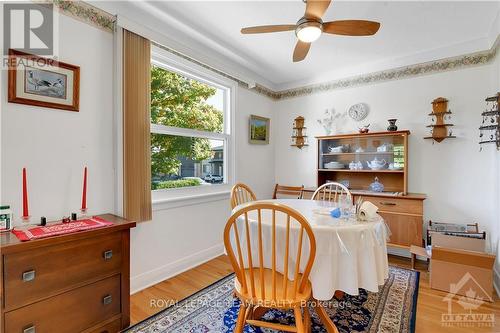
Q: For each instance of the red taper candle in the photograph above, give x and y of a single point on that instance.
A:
(25, 195)
(84, 194)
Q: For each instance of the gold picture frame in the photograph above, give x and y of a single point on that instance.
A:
(259, 130)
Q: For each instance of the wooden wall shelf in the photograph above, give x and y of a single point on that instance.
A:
(439, 130)
(299, 137)
(440, 125)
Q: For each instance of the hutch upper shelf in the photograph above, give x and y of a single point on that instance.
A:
(356, 159)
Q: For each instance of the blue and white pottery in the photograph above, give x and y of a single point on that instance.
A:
(376, 186)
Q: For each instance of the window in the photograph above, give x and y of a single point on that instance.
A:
(191, 137)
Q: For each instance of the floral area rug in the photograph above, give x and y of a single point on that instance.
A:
(214, 309)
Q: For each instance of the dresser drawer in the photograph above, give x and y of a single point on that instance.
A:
(405, 230)
(394, 205)
(71, 312)
(35, 274)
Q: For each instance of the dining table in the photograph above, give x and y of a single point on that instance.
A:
(350, 254)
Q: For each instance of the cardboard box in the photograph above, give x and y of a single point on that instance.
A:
(457, 242)
(462, 272)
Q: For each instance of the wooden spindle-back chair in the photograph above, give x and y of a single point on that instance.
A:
(294, 192)
(331, 192)
(241, 193)
(259, 287)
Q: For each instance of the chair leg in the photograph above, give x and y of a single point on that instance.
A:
(240, 323)
(307, 320)
(298, 320)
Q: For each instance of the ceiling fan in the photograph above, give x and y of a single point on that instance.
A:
(310, 27)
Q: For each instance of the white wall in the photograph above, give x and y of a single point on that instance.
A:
(496, 230)
(456, 177)
(55, 145)
(182, 237)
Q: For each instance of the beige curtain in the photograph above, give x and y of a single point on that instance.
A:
(136, 127)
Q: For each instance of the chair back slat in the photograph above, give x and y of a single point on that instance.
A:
(249, 256)
(242, 278)
(261, 258)
(289, 191)
(331, 192)
(292, 226)
(296, 278)
(285, 259)
(273, 259)
(240, 194)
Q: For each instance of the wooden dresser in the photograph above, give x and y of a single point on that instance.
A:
(73, 283)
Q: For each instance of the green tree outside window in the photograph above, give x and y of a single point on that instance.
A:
(180, 102)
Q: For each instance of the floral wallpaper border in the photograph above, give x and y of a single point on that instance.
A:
(103, 20)
(432, 67)
(87, 13)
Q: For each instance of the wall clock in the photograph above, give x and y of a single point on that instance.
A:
(358, 111)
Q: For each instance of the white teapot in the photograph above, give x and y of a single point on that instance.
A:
(385, 148)
(376, 164)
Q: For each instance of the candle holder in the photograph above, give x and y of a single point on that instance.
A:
(23, 223)
(83, 212)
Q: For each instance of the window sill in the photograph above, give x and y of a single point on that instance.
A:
(169, 202)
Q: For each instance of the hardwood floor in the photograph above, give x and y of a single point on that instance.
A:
(430, 305)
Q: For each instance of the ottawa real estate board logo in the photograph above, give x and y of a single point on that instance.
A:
(30, 28)
(470, 295)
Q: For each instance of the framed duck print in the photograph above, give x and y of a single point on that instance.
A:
(44, 82)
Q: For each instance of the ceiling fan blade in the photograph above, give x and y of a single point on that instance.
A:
(316, 8)
(301, 50)
(351, 27)
(268, 28)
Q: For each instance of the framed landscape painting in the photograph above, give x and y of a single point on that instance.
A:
(45, 82)
(259, 130)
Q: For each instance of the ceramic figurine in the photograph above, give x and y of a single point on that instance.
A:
(345, 182)
(392, 125)
(376, 186)
(330, 116)
(364, 129)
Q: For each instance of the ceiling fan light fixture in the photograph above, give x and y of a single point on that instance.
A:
(308, 32)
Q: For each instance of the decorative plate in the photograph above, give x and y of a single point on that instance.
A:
(358, 111)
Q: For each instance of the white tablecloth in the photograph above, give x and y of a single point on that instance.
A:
(349, 254)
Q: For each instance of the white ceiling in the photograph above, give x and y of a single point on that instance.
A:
(410, 32)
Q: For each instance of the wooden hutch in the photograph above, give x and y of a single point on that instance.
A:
(344, 158)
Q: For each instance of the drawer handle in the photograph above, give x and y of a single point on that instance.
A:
(30, 329)
(108, 255)
(29, 276)
(387, 203)
(107, 300)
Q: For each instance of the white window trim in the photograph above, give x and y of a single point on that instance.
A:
(170, 198)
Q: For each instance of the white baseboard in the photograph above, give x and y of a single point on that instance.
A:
(147, 279)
